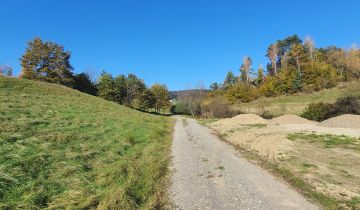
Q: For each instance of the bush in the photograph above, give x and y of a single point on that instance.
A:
(267, 115)
(323, 111)
(347, 105)
(318, 111)
(217, 107)
(241, 93)
(180, 108)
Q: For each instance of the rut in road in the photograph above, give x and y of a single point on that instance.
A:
(210, 174)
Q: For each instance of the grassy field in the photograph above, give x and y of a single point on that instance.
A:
(295, 104)
(62, 149)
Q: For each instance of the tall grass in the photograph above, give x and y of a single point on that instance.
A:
(60, 148)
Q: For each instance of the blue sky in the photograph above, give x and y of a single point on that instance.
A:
(176, 42)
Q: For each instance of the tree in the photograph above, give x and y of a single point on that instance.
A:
(215, 86)
(285, 44)
(230, 79)
(134, 88)
(337, 58)
(260, 75)
(353, 61)
(310, 47)
(147, 100)
(272, 53)
(84, 84)
(106, 87)
(282, 47)
(297, 54)
(6, 70)
(245, 70)
(120, 88)
(47, 61)
(162, 96)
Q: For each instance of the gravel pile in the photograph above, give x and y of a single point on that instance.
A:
(290, 119)
(342, 121)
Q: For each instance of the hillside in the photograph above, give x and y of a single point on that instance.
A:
(295, 104)
(61, 149)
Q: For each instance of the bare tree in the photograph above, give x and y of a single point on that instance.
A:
(247, 66)
(273, 55)
(310, 45)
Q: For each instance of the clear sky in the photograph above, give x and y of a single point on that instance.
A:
(176, 42)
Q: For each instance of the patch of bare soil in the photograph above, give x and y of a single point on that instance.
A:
(334, 171)
(238, 122)
(342, 121)
(290, 119)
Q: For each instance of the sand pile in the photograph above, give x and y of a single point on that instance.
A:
(342, 121)
(290, 119)
(237, 121)
(243, 119)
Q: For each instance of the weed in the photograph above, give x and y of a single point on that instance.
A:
(328, 140)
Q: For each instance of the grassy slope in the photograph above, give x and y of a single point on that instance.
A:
(295, 104)
(60, 148)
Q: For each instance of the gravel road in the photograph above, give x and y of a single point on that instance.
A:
(210, 174)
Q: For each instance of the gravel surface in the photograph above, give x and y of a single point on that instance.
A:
(210, 174)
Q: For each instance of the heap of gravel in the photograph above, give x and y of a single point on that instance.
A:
(342, 121)
(290, 119)
(242, 119)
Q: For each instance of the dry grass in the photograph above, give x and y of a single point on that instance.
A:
(295, 104)
(64, 149)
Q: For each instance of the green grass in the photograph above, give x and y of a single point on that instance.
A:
(327, 140)
(295, 104)
(62, 149)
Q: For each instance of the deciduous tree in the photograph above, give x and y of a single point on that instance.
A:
(47, 61)
(161, 95)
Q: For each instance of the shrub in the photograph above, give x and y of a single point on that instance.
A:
(323, 111)
(180, 108)
(318, 111)
(347, 105)
(217, 107)
(241, 93)
(267, 115)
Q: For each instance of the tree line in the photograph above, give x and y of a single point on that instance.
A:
(50, 62)
(294, 66)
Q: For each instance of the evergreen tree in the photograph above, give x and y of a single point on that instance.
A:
(230, 79)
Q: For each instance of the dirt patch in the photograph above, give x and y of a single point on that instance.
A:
(329, 169)
(342, 121)
(238, 122)
(290, 119)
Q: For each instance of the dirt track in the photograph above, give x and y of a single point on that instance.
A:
(210, 174)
